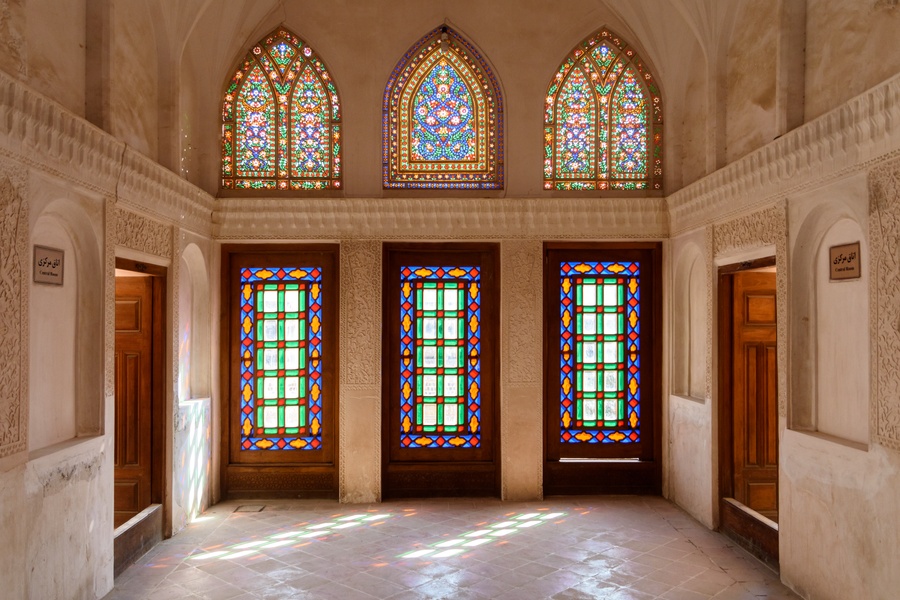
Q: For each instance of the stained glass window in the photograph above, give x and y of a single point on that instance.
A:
(440, 357)
(603, 120)
(281, 358)
(443, 118)
(281, 120)
(600, 369)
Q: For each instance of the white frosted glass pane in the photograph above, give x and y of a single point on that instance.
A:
(292, 358)
(270, 387)
(589, 324)
(589, 352)
(451, 357)
(291, 330)
(451, 299)
(610, 410)
(291, 301)
(610, 381)
(610, 352)
(270, 358)
(429, 329)
(589, 381)
(270, 301)
(429, 357)
(292, 416)
(291, 387)
(270, 416)
(429, 385)
(429, 414)
(610, 295)
(589, 295)
(429, 299)
(270, 330)
(610, 323)
(589, 408)
(450, 326)
(450, 414)
(451, 388)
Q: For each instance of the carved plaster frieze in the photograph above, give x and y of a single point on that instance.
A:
(39, 133)
(144, 234)
(708, 262)
(853, 138)
(110, 297)
(13, 317)
(767, 227)
(884, 308)
(441, 218)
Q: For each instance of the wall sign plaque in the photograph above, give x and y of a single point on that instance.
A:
(845, 262)
(48, 265)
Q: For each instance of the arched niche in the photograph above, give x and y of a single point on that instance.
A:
(193, 325)
(689, 325)
(66, 331)
(830, 337)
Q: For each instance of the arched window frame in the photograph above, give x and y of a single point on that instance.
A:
(400, 170)
(286, 174)
(603, 179)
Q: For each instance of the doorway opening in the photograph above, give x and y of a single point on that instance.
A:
(139, 512)
(748, 406)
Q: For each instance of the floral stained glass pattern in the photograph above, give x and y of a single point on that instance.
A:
(443, 118)
(281, 120)
(440, 357)
(600, 343)
(281, 358)
(603, 120)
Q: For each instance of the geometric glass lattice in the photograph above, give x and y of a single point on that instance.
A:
(440, 357)
(281, 358)
(600, 343)
(603, 120)
(281, 120)
(443, 118)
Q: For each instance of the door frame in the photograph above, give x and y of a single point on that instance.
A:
(127, 550)
(739, 523)
(442, 477)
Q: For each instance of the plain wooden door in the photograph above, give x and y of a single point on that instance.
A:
(755, 397)
(134, 367)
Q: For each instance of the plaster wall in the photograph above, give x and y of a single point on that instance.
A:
(850, 47)
(750, 99)
(54, 48)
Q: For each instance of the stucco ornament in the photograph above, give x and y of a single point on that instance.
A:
(140, 233)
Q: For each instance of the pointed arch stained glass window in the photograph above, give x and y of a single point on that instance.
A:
(603, 120)
(443, 118)
(281, 120)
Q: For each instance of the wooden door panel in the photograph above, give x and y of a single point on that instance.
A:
(133, 376)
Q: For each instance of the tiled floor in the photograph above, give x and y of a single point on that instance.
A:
(586, 547)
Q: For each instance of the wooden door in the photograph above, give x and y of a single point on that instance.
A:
(440, 424)
(134, 368)
(280, 319)
(755, 393)
(602, 360)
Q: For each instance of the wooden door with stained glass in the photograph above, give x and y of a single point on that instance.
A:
(440, 359)
(602, 357)
(281, 326)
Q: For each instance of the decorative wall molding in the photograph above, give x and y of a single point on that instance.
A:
(110, 299)
(360, 313)
(853, 138)
(144, 234)
(884, 298)
(239, 219)
(14, 263)
(711, 282)
(40, 133)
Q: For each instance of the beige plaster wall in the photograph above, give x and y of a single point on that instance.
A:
(850, 47)
(751, 73)
(54, 34)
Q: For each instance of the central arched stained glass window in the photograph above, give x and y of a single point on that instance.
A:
(281, 120)
(443, 118)
(603, 120)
